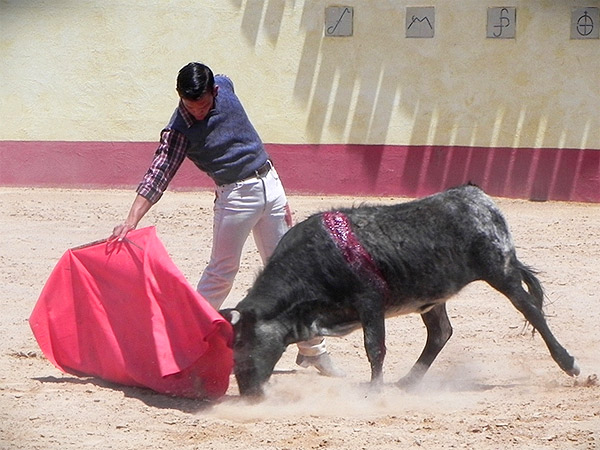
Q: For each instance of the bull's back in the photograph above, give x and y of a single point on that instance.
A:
(432, 247)
(425, 250)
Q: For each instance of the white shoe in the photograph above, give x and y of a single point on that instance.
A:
(323, 363)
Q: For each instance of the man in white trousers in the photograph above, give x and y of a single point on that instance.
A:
(211, 128)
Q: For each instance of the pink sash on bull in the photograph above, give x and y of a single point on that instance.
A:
(354, 252)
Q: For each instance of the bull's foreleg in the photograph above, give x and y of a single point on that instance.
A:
(372, 318)
(439, 331)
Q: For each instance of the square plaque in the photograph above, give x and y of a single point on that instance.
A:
(420, 22)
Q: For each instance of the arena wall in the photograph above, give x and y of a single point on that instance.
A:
(87, 86)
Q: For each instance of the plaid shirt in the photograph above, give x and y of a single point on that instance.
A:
(168, 157)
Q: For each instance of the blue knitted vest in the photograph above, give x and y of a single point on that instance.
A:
(225, 144)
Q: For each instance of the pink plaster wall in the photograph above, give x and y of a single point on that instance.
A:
(408, 171)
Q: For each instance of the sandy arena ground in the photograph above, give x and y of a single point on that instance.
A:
(494, 386)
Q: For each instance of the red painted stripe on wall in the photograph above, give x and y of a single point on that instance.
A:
(391, 170)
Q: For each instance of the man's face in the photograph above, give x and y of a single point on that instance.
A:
(201, 107)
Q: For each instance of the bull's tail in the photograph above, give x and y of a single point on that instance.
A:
(533, 285)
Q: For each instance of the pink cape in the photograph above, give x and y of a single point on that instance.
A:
(124, 312)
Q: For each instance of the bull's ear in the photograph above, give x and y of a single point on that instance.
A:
(232, 315)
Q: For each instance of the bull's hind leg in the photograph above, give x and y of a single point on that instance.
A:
(439, 331)
(527, 304)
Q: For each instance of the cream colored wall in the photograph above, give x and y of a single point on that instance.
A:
(85, 70)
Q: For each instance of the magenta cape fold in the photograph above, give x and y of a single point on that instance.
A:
(125, 313)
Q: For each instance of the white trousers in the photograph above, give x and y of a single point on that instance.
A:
(256, 205)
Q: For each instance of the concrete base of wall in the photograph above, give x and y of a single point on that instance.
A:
(371, 170)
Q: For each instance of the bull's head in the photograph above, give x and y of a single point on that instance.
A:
(256, 350)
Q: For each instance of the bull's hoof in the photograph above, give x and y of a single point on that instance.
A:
(408, 383)
(575, 370)
(376, 386)
(252, 394)
(252, 397)
(412, 379)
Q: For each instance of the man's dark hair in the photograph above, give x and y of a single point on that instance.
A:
(194, 80)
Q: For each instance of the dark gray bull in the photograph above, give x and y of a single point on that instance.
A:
(338, 271)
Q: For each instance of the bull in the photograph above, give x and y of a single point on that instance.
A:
(341, 270)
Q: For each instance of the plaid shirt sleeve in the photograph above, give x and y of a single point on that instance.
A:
(168, 157)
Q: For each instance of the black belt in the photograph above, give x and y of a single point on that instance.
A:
(261, 171)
